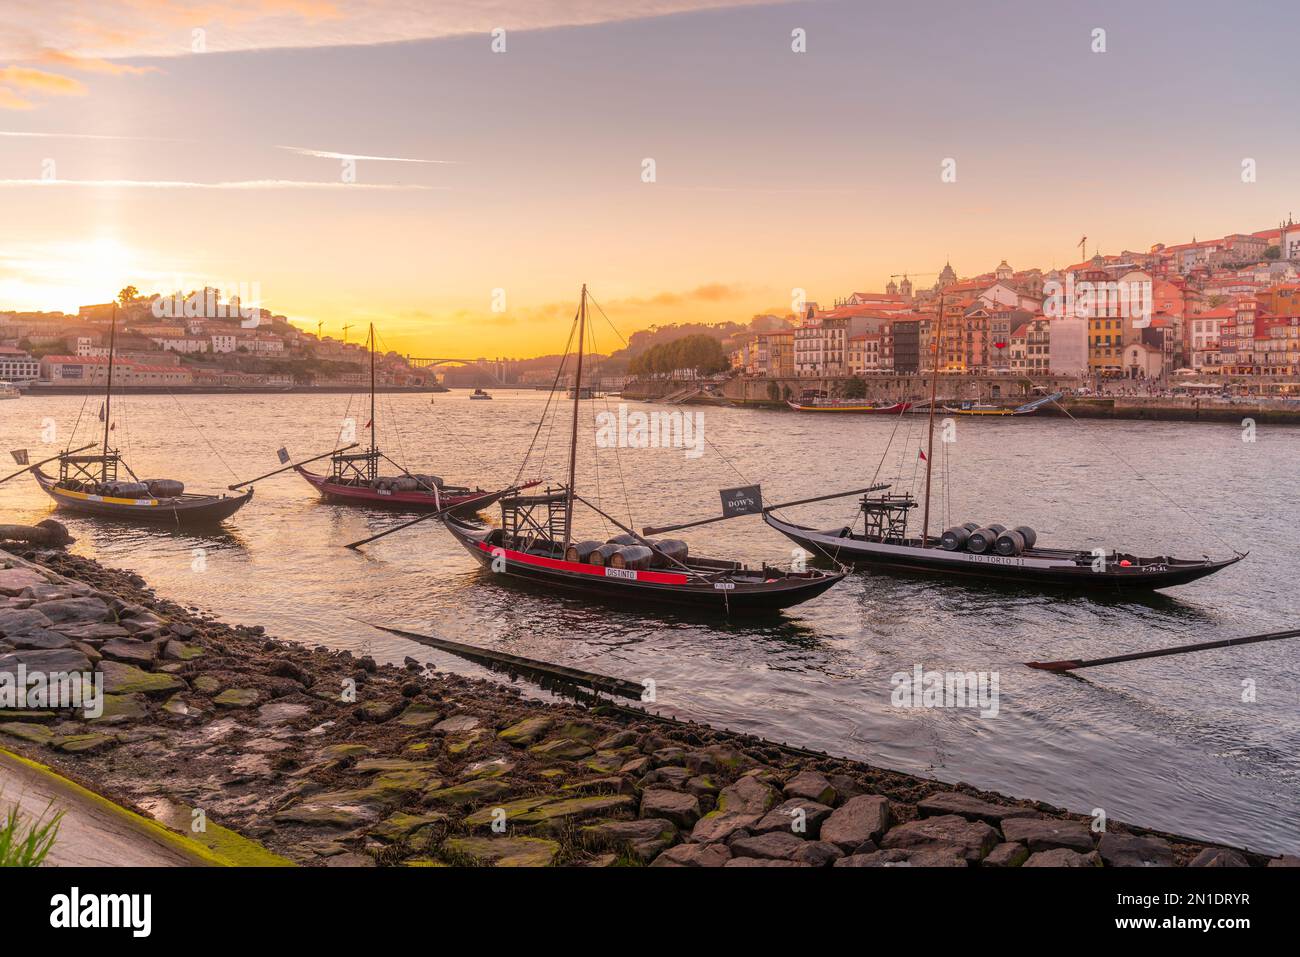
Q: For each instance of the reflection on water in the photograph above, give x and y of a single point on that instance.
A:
(1168, 742)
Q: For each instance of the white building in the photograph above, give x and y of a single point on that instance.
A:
(224, 342)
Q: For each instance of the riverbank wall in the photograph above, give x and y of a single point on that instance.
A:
(329, 759)
(997, 390)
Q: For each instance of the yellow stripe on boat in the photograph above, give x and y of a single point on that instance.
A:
(87, 497)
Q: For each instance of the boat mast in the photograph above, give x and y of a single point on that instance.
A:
(108, 394)
(577, 403)
(929, 450)
(373, 444)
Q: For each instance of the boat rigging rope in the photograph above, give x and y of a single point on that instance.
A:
(546, 409)
(618, 462)
(77, 423)
(1142, 478)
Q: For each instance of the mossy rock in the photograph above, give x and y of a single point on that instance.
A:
(491, 768)
(419, 715)
(27, 731)
(119, 708)
(85, 743)
(207, 684)
(348, 750)
(402, 825)
(471, 792)
(238, 698)
(567, 810)
(560, 749)
(467, 741)
(121, 678)
(182, 650)
(578, 731)
(503, 851)
(485, 816)
(526, 732)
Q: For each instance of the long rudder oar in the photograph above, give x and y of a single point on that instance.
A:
(1073, 664)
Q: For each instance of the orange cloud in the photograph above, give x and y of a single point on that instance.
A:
(9, 100)
(86, 64)
(38, 81)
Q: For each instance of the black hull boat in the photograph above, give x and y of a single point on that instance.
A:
(700, 584)
(536, 544)
(91, 484)
(1034, 567)
(187, 510)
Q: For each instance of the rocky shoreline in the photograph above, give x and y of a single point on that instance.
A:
(329, 759)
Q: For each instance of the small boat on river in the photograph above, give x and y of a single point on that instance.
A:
(92, 483)
(536, 544)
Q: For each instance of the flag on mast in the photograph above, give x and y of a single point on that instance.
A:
(921, 453)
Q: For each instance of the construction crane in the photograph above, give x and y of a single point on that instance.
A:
(345, 333)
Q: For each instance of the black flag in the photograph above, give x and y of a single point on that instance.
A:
(20, 456)
(746, 500)
(283, 453)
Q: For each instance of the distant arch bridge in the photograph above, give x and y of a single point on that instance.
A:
(493, 368)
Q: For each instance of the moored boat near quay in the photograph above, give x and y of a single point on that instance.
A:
(92, 485)
(536, 544)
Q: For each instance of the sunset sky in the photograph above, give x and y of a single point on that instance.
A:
(522, 170)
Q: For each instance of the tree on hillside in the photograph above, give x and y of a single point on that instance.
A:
(128, 295)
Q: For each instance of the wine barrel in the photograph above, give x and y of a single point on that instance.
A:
(981, 540)
(1009, 543)
(624, 540)
(581, 551)
(954, 538)
(1028, 534)
(165, 488)
(998, 528)
(631, 556)
(971, 526)
(602, 555)
(128, 490)
(674, 548)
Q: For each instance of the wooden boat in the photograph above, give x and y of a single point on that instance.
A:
(535, 544)
(356, 479)
(341, 488)
(882, 550)
(90, 483)
(990, 552)
(479, 394)
(81, 495)
(982, 408)
(870, 409)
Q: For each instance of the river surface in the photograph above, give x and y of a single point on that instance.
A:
(1202, 744)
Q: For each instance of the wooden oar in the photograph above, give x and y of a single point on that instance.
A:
(530, 666)
(235, 488)
(1076, 663)
(28, 468)
(437, 514)
(659, 530)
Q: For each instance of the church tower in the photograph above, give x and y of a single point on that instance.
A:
(947, 277)
(891, 288)
(905, 288)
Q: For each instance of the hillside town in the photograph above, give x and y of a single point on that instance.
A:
(192, 340)
(1219, 308)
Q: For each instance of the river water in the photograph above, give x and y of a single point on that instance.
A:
(1202, 744)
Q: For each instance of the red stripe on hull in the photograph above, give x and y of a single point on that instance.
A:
(653, 577)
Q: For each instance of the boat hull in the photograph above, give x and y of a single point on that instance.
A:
(185, 511)
(894, 409)
(468, 500)
(1032, 569)
(663, 587)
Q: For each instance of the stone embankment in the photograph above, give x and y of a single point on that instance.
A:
(327, 759)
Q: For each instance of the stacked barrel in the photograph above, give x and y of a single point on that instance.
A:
(988, 539)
